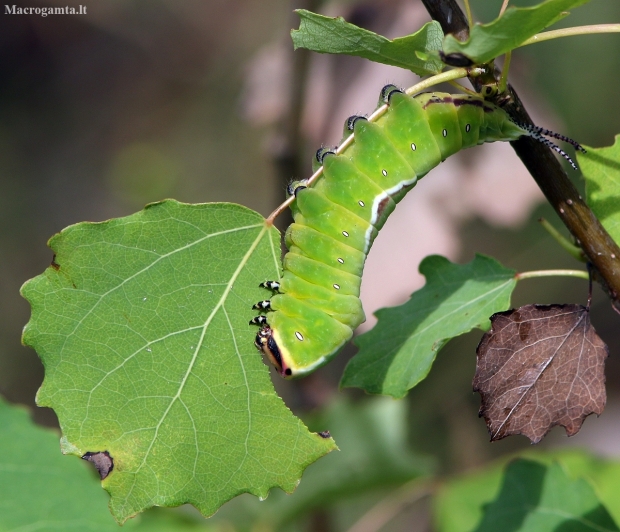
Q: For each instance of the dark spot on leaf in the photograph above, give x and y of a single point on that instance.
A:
(54, 264)
(555, 378)
(103, 462)
(324, 434)
(524, 330)
(456, 59)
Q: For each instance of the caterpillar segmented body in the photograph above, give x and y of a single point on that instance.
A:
(316, 304)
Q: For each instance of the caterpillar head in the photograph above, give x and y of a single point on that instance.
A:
(266, 343)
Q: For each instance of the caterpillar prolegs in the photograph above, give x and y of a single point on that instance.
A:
(316, 304)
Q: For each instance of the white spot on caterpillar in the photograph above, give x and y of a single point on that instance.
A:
(384, 172)
(362, 204)
(337, 286)
(467, 128)
(341, 261)
(299, 336)
(345, 234)
(413, 147)
(445, 132)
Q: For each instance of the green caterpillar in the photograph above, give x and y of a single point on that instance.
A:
(316, 306)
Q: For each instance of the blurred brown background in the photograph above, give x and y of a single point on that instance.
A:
(205, 101)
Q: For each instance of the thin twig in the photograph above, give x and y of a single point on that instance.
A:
(386, 509)
(504, 6)
(289, 159)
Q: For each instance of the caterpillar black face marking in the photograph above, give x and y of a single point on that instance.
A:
(265, 343)
(316, 306)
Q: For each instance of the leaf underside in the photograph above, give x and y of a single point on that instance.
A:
(540, 366)
(516, 25)
(142, 325)
(336, 36)
(399, 351)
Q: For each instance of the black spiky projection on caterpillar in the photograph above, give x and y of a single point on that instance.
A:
(316, 304)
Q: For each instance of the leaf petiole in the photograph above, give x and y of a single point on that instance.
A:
(470, 19)
(503, 81)
(570, 32)
(583, 274)
(568, 246)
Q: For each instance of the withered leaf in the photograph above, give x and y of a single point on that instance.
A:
(540, 366)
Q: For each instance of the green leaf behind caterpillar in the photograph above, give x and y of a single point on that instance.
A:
(488, 41)
(336, 36)
(399, 352)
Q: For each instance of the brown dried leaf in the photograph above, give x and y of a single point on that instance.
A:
(540, 366)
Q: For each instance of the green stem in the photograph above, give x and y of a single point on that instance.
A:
(449, 75)
(503, 81)
(573, 250)
(570, 32)
(552, 273)
(470, 19)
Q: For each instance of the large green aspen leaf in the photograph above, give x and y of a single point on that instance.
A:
(516, 25)
(399, 351)
(329, 35)
(601, 170)
(142, 326)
